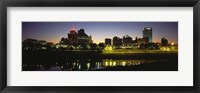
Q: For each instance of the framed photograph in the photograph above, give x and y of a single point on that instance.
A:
(100, 46)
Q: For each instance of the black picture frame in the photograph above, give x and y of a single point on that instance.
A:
(100, 3)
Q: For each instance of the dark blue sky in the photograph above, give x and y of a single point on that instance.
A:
(54, 31)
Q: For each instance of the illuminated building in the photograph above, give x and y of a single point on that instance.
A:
(73, 37)
(127, 40)
(117, 41)
(83, 38)
(164, 41)
(108, 41)
(147, 34)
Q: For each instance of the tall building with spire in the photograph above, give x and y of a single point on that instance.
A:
(73, 36)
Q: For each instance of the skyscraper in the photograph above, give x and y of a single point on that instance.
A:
(117, 41)
(73, 37)
(83, 38)
(147, 34)
(108, 41)
(127, 40)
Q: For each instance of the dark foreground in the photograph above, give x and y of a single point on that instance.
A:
(96, 61)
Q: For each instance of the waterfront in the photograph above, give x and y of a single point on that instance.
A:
(98, 61)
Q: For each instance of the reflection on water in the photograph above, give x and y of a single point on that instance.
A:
(112, 63)
(89, 64)
(96, 61)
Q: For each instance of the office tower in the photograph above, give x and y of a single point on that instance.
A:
(73, 37)
(127, 40)
(147, 34)
(117, 41)
(83, 38)
(108, 41)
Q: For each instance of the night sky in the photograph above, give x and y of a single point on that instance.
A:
(54, 31)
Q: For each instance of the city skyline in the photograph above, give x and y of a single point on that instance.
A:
(54, 31)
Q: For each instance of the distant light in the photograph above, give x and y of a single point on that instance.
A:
(172, 44)
(88, 65)
(110, 63)
(108, 48)
(148, 28)
(114, 64)
(79, 67)
(124, 63)
(106, 64)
